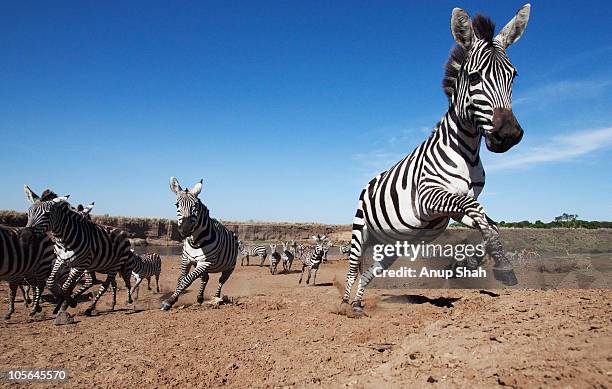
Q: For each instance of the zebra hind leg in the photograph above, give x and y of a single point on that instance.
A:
(204, 277)
(12, 295)
(25, 291)
(38, 289)
(222, 280)
(364, 281)
(136, 286)
(113, 286)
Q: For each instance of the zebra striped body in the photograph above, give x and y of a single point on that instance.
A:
(252, 251)
(24, 263)
(287, 257)
(442, 178)
(145, 266)
(312, 258)
(208, 245)
(275, 258)
(81, 244)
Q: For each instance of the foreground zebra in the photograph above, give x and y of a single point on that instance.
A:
(24, 263)
(208, 245)
(442, 178)
(275, 258)
(82, 246)
(145, 266)
(287, 257)
(256, 250)
(312, 258)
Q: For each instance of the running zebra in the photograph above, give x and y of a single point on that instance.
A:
(300, 250)
(294, 248)
(312, 258)
(208, 245)
(275, 258)
(256, 250)
(326, 246)
(287, 257)
(24, 263)
(81, 244)
(442, 178)
(145, 266)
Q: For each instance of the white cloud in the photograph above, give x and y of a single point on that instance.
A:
(560, 148)
(552, 92)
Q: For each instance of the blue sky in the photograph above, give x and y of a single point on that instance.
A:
(287, 109)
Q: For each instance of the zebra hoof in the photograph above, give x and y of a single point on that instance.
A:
(357, 310)
(7, 316)
(200, 299)
(507, 277)
(166, 306)
(36, 310)
(88, 312)
(71, 302)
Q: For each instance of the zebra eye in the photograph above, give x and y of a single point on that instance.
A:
(474, 77)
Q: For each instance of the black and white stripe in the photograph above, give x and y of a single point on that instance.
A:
(208, 245)
(24, 263)
(145, 266)
(255, 250)
(442, 178)
(81, 244)
(287, 256)
(312, 258)
(275, 258)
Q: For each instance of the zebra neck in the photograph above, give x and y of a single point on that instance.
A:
(454, 132)
(136, 263)
(65, 227)
(202, 232)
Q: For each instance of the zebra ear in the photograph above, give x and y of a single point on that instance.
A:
(88, 208)
(175, 186)
(461, 27)
(59, 199)
(30, 195)
(515, 27)
(197, 188)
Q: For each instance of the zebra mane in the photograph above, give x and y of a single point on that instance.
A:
(484, 28)
(47, 195)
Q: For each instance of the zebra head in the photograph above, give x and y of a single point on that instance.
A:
(479, 77)
(42, 211)
(273, 248)
(84, 210)
(189, 208)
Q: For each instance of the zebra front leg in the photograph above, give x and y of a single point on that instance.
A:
(109, 278)
(12, 294)
(309, 275)
(204, 277)
(185, 267)
(452, 204)
(136, 286)
(263, 259)
(126, 274)
(157, 282)
(184, 284)
(37, 290)
(67, 287)
(222, 280)
(149, 283)
(302, 275)
(359, 238)
(87, 283)
(25, 291)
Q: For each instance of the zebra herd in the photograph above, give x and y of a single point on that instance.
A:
(413, 200)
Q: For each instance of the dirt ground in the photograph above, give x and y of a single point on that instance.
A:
(276, 333)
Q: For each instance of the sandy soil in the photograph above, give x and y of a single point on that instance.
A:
(276, 333)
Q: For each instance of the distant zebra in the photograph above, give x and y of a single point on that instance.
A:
(24, 262)
(256, 250)
(326, 246)
(344, 249)
(443, 177)
(294, 248)
(300, 250)
(82, 246)
(145, 266)
(208, 245)
(287, 257)
(312, 258)
(275, 258)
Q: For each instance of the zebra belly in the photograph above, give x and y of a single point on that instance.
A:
(211, 261)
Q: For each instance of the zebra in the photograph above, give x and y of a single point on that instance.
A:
(208, 245)
(24, 261)
(300, 250)
(326, 246)
(287, 256)
(294, 248)
(275, 258)
(344, 249)
(145, 266)
(312, 258)
(252, 251)
(442, 178)
(81, 244)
